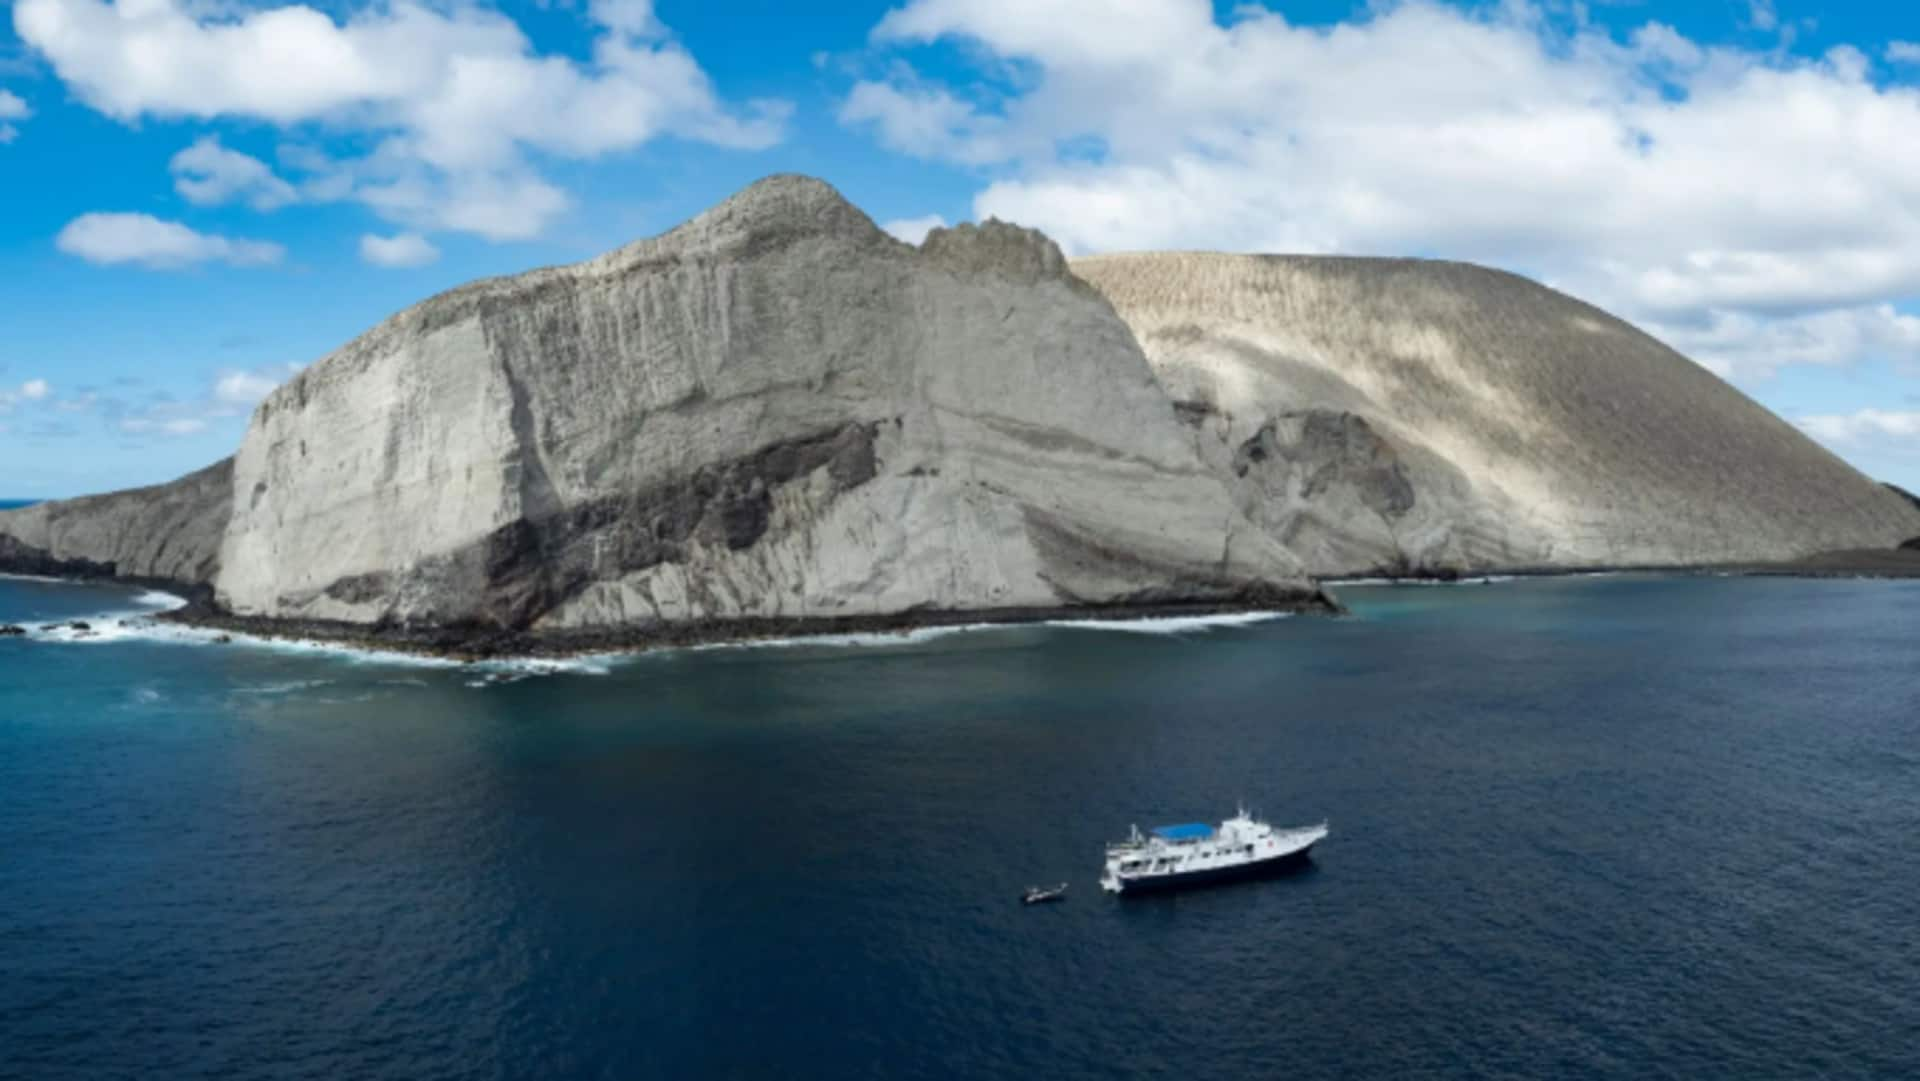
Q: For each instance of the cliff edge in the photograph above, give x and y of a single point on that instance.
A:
(774, 411)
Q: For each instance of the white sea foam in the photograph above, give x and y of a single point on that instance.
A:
(858, 639)
(1476, 580)
(106, 628)
(1171, 624)
(291, 686)
(139, 626)
(596, 664)
(1163, 625)
(128, 625)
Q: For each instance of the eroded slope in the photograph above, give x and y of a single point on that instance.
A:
(1393, 415)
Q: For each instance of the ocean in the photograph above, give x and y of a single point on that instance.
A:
(1619, 827)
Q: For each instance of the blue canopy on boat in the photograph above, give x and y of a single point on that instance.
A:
(1191, 831)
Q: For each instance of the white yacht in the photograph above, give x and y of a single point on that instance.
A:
(1167, 857)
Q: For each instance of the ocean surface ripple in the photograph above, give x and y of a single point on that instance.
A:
(1613, 827)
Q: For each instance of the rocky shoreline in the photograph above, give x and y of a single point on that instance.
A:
(1902, 562)
(476, 643)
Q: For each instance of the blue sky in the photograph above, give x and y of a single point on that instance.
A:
(202, 195)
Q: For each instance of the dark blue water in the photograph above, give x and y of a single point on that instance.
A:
(11, 504)
(1617, 828)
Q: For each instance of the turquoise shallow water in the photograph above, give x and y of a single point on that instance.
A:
(1623, 827)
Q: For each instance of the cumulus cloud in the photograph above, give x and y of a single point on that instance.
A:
(1881, 430)
(915, 230)
(147, 241)
(925, 122)
(1849, 426)
(151, 425)
(1733, 343)
(12, 108)
(400, 250)
(232, 393)
(244, 389)
(1738, 196)
(33, 390)
(1904, 52)
(209, 174)
(453, 99)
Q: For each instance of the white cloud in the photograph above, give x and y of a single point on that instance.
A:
(514, 205)
(1864, 426)
(12, 108)
(454, 99)
(915, 230)
(628, 16)
(33, 390)
(1733, 192)
(1761, 15)
(399, 250)
(148, 425)
(925, 122)
(1903, 52)
(209, 174)
(232, 394)
(144, 240)
(1742, 343)
(244, 389)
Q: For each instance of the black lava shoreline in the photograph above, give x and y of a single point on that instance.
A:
(477, 643)
(472, 643)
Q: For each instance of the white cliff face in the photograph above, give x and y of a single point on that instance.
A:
(774, 410)
(1394, 415)
(778, 411)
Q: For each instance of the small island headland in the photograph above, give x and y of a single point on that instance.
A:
(777, 420)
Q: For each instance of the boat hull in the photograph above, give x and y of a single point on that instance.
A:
(1212, 876)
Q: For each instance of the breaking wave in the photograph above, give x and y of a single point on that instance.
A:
(1171, 624)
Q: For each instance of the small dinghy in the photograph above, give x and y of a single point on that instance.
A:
(1037, 895)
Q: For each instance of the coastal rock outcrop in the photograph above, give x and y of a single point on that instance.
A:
(1414, 417)
(169, 532)
(773, 411)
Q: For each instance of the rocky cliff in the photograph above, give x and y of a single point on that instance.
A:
(1398, 416)
(778, 413)
(168, 532)
(773, 411)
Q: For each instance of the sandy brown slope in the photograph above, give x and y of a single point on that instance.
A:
(1379, 414)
